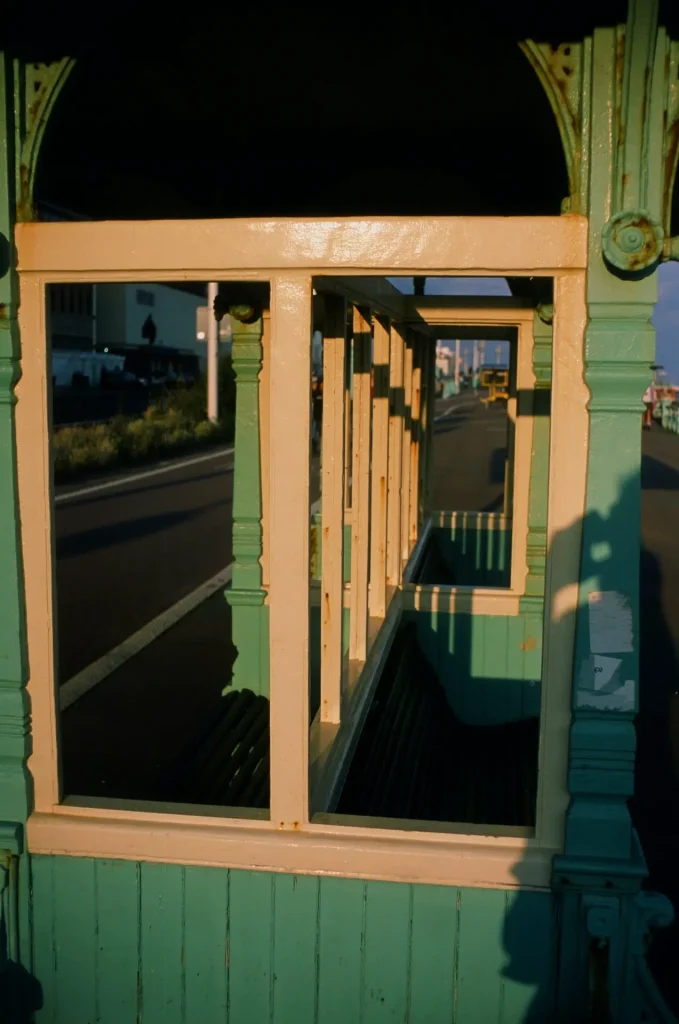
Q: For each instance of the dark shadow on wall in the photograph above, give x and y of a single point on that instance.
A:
(411, 735)
(655, 806)
(21, 994)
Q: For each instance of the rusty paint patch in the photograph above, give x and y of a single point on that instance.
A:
(671, 150)
(562, 66)
(644, 258)
(3, 311)
(619, 78)
(24, 206)
(529, 644)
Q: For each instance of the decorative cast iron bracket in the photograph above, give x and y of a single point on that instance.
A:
(644, 103)
(37, 87)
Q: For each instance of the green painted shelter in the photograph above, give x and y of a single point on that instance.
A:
(413, 801)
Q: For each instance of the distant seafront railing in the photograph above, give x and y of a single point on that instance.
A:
(667, 413)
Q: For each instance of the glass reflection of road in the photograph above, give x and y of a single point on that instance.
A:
(470, 443)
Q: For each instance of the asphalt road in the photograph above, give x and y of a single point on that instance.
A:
(126, 554)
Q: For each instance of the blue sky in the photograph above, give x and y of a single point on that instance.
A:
(665, 319)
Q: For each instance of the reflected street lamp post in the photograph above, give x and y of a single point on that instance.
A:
(212, 354)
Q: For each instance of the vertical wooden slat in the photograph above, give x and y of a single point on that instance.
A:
(348, 404)
(251, 916)
(495, 651)
(290, 423)
(386, 965)
(481, 960)
(477, 627)
(514, 667)
(340, 950)
(360, 487)
(526, 461)
(205, 947)
(162, 943)
(422, 447)
(434, 938)
(333, 499)
(75, 923)
(294, 959)
(264, 435)
(246, 596)
(34, 469)
(428, 428)
(530, 948)
(380, 467)
(406, 446)
(396, 426)
(45, 960)
(416, 405)
(117, 940)
(512, 413)
(567, 470)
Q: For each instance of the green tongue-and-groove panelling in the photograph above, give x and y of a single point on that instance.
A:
(465, 556)
(490, 666)
(119, 942)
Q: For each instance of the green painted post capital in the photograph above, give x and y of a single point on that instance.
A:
(632, 241)
(245, 314)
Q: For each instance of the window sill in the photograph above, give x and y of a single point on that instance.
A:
(318, 848)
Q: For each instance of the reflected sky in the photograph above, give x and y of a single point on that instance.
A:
(665, 320)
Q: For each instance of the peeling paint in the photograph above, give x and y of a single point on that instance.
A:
(610, 623)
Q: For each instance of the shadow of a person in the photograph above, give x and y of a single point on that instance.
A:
(655, 805)
(20, 994)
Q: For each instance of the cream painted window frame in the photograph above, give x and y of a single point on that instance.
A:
(501, 601)
(288, 253)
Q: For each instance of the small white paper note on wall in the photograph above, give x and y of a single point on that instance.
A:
(610, 623)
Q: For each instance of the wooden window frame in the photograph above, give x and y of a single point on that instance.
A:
(288, 254)
(487, 600)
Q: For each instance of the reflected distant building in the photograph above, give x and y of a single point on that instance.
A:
(89, 317)
(445, 360)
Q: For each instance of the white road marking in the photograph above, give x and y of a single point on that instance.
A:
(85, 680)
(88, 678)
(458, 402)
(122, 481)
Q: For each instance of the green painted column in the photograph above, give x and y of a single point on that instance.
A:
(536, 541)
(15, 788)
(623, 184)
(532, 604)
(250, 632)
(618, 352)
